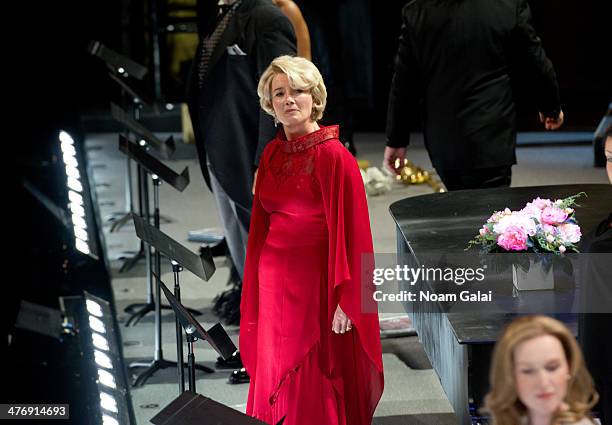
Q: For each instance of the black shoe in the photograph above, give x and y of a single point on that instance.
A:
(239, 376)
(216, 250)
(234, 362)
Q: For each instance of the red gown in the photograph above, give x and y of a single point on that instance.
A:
(309, 229)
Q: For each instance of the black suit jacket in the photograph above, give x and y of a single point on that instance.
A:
(595, 325)
(452, 71)
(230, 128)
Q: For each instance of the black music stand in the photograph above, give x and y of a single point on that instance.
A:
(216, 336)
(165, 148)
(117, 62)
(120, 67)
(147, 139)
(202, 266)
(158, 172)
(138, 101)
(191, 408)
(153, 165)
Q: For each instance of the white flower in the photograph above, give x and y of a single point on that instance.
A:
(550, 238)
(569, 233)
(562, 249)
(516, 219)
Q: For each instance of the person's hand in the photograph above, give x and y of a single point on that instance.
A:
(254, 181)
(392, 155)
(341, 322)
(552, 123)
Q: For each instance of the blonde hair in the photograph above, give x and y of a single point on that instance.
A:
(502, 401)
(302, 75)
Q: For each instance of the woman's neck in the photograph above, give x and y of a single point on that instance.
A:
(540, 419)
(293, 133)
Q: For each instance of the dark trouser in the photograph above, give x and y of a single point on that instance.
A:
(479, 178)
(235, 221)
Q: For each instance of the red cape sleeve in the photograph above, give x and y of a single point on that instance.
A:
(356, 357)
(249, 303)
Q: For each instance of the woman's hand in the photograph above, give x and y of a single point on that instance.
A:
(341, 322)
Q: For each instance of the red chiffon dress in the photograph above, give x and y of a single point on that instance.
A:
(309, 229)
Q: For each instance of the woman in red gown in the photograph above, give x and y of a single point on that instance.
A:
(309, 333)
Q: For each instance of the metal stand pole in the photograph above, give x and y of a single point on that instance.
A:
(176, 269)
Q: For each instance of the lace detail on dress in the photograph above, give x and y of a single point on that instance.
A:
(309, 140)
(296, 157)
(284, 165)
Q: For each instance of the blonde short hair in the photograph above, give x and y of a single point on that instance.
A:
(302, 75)
(502, 401)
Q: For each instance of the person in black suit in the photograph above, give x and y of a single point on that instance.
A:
(239, 39)
(452, 69)
(595, 322)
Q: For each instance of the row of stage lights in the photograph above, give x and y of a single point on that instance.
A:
(76, 203)
(112, 397)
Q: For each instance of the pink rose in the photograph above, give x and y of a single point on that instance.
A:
(562, 249)
(553, 215)
(569, 233)
(513, 239)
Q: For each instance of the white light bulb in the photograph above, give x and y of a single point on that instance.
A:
(82, 246)
(102, 360)
(109, 420)
(108, 402)
(93, 308)
(66, 138)
(106, 378)
(96, 324)
(99, 341)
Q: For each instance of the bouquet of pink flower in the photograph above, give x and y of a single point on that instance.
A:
(540, 226)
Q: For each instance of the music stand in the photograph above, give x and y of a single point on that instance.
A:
(165, 148)
(158, 171)
(120, 67)
(137, 96)
(216, 337)
(153, 165)
(190, 408)
(202, 266)
(116, 61)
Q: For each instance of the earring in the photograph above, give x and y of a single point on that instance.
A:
(275, 121)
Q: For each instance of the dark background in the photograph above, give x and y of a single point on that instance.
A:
(62, 80)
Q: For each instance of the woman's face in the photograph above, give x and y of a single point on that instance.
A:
(608, 153)
(293, 107)
(541, 374)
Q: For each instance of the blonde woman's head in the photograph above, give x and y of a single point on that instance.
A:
(302, 77)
